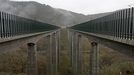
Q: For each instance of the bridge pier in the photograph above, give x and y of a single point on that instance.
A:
(79, 55)
(49, 55)
(55, 53)
(71, 38)
(58, 51)
(76, 53)
(31, 59)
(94, 59)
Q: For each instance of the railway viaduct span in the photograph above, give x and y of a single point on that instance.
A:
(115, 31)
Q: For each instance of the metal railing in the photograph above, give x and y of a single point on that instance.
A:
(118, 24)
(12, 25)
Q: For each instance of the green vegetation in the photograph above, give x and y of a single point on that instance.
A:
(65, 64)
(13, 63)
(114, 63)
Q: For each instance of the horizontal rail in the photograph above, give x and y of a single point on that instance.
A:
(119, 24)
(12, 25)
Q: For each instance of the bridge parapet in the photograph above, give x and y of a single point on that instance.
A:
(117, 26)
(12, 26)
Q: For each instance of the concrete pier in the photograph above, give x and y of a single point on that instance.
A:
(31, 59)
(55, 54)
(49, 55)
(76, 53)
(94, 59)
(79, 53)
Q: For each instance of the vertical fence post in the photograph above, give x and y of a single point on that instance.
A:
(133, 23)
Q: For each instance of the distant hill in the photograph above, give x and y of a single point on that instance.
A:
(44, 13)
(94, 16)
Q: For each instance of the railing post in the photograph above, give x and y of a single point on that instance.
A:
(31, 60)
(94, 59)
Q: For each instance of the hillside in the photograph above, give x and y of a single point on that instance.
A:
(42, 12)
(94, 16)
(45, 13)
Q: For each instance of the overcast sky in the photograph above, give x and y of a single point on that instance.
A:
(87, 6)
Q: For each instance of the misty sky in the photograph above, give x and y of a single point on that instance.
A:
(87, 6)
